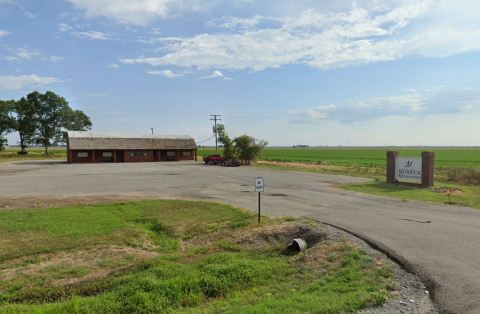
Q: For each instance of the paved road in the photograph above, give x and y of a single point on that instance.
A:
(441, 243)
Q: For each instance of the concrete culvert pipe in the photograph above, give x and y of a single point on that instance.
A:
(297, 245)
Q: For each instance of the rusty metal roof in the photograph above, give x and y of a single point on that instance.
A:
(89, 140)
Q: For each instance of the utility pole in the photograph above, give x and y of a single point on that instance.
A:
(215, 118)
(152, 131)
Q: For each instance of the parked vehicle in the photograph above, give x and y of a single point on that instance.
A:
(219, 160)
(214, 159)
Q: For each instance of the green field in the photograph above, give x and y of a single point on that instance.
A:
(34, 153)
(176, 257)
(444, 157)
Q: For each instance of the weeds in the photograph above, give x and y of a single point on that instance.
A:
(464, 175)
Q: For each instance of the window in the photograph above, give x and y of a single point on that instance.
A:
(107, 154)
(145, 154)
(186, 154)
(171, 154)
(82, 154)
(132, 154)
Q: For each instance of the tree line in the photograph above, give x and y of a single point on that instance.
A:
(40, 119)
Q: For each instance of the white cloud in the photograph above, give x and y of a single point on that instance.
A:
(216, 74)
(113, 66)
(319, 112)
(92, 35)
(20, 54)
(165, 73)
(413, 104)
(327, 40)
(139, 12)
(3, 33)
(27, 54)
(10, 82)
(64, 27)
(235, 23)
(99, 94)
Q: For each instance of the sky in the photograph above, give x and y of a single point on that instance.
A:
(330, 72)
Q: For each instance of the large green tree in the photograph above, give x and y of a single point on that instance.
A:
(54, 115)
(76, 120)
(25, 120)
(244, 147)
(248, 148)
(6, 121)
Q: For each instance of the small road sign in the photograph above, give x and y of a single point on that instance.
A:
(259, 184)
(259, 187)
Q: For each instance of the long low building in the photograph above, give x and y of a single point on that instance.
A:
(88, 147)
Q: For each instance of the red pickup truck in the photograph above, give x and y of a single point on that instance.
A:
(214, 159)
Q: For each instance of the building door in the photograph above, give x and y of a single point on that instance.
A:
(120, 156)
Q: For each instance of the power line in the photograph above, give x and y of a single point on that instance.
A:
(215, 118)
(199, 142)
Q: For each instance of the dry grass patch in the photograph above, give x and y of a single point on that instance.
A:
(68, 268)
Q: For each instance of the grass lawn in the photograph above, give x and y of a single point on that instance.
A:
(464, 195)
(34, 153)
(174, 256)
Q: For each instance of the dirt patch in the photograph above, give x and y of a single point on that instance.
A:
(87, 199)
(299, 165)
(71, 267)
(274, 236)
(453, 191)
(280, 234)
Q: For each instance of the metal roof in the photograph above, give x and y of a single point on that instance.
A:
(80, 140)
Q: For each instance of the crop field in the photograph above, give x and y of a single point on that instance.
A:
(444, 157)
(169, 256)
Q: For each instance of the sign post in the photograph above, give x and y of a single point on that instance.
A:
(259, 187)
(411, 170)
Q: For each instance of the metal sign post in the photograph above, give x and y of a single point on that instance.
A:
(259, 187)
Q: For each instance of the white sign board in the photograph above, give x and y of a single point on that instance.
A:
(259, 184)
(408, 169)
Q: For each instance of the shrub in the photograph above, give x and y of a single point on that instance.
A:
(464, 175)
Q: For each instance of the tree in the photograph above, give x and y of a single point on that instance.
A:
(77, 120)
(25, 120)
(244, 147)
(6, 121)
(248, 148)
(228, 149)
(53, 116)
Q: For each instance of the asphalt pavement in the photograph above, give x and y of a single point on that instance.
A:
(439, 243)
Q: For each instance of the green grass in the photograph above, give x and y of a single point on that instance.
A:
(464, 195)
(197, 266)
(34, 153)
(33, 231)
(444, 157)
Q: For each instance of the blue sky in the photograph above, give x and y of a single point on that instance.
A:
(290, 72)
